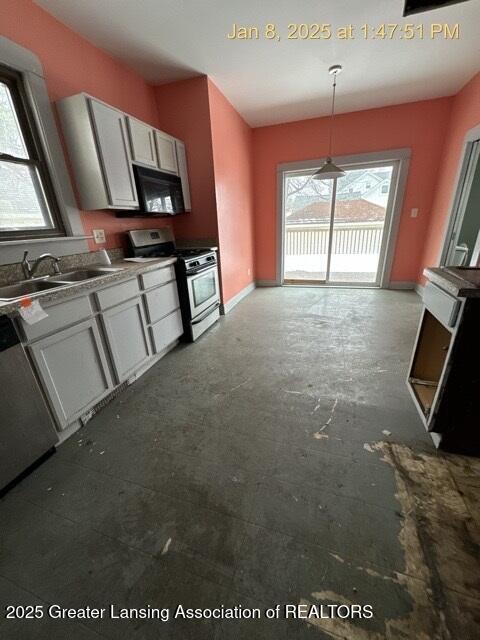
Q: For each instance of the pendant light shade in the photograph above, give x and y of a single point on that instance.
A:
(330, 171)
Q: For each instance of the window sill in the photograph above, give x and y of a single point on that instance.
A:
(11, 251)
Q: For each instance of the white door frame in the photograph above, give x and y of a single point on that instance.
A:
(465, 174)
(400, 158)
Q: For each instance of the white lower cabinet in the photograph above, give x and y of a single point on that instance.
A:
(73, 369)
(166, 331)
(126, 337)
(86, 346)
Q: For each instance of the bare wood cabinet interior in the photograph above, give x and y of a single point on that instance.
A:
(444, 373)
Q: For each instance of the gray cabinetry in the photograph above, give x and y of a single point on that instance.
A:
(111, 136)
(183, 173)
(142, 142)
(166, 331)
(73, 369)
(89, 344)
(96, 137)
(162, 301)
(103, 142)
(127, 341)
(166, 152)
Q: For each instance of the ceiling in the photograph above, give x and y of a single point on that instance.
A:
(271, 81)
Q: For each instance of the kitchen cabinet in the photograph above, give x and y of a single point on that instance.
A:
(91, 343)
(111, 134)
(73, 370)
(142, 142)
(104, 142)
(166, 152)
(99, 151)
(125, 329)
(183, 173)
(166, 331)
(161, 301)
(443, 377)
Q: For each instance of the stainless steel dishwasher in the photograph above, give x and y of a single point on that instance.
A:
(26, 427)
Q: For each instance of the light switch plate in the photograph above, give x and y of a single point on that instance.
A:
(414, 213)
(99, 236)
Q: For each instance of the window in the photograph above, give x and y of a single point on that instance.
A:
(28, 207)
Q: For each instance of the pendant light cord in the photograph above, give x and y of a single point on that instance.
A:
(332, 115)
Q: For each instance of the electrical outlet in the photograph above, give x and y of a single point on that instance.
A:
(414, 213)
(99, 236)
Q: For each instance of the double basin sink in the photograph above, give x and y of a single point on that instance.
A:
(37, 285)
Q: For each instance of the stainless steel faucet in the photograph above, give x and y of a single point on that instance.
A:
(29, 268)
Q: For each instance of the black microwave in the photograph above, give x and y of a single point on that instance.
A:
(159, 193)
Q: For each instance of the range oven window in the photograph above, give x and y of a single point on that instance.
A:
(204, 288)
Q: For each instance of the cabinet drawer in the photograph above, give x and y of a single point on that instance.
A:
(161, 301)
(154, 278)
(59, 316)
(166, 331)
(118, 293)
(441, 304)
(126, 338)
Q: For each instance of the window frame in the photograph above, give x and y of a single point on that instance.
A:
(36, 158)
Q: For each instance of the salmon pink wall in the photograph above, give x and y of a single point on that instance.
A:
(232, 160)
(71, 65)
(419, 126)
(464, 116)
(184, 111)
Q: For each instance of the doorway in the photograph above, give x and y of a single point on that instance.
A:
(340, 232)
(335, 231)
(462, 241)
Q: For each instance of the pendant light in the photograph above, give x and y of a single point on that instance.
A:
(330, 171)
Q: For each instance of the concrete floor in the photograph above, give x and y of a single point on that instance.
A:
(277, 460)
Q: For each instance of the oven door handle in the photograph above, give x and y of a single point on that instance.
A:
(201, 269)
(206, 313)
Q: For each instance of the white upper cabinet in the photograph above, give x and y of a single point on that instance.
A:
(183, 173)
(97, 141)
(142, 142)
(103, 143)
(111, 134)
(166, 152)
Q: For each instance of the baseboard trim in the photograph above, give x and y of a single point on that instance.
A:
(402, 285)
(267, 283)
(228, 306)
(419, 288)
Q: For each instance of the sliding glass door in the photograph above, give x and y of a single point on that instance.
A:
(335, 230)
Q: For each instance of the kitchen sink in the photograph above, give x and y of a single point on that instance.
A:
(12, 291)
(84, 274)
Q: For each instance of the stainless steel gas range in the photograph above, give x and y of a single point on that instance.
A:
(197, 277)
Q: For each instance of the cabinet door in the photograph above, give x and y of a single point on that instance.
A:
(166, 151)
(111, 137)
(127, 338)
(183, 173)
(142, 142)
(74, 371)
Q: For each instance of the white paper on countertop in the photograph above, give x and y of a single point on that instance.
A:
(32, 312)
(140, 259)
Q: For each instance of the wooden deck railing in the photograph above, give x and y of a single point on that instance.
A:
(348, 238)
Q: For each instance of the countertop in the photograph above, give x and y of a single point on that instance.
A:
(458, 286)
(129, 270)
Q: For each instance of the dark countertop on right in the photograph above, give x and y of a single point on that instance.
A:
(461, 282)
